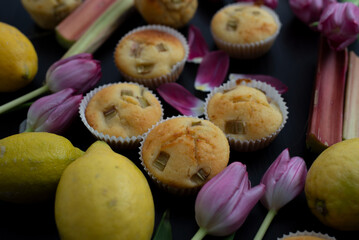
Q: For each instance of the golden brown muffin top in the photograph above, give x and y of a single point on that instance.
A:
(148, 53)
(167, 12)
(243, 23)
(244, 113)
(185, 152)
(123, 110)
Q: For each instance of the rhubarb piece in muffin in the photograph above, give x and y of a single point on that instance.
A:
(173, 13)
(183, 153)
(245, 30)
(151, 55)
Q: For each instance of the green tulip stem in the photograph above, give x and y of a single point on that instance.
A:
(199, 234)
(356, 2)
(24, 98)
(265, 224)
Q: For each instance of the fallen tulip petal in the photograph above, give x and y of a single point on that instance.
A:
(274, 82)
(212, 71)
(198, 47)
(181, 99)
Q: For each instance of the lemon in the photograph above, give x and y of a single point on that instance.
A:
(31, 165)
(18, 59)
(103, 195)
(332, 186)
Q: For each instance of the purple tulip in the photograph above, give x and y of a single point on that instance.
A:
(53, 113)
(80, 72)
(224, 202)
(284, 180)
(309, 11)
(339, 23)
(269, 3)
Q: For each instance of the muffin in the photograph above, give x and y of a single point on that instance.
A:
(245, 30)
(175, 14)
(306, 236)
(182, 153)
(47, 14)
(151, 55)
(249, 112)
(120, 113)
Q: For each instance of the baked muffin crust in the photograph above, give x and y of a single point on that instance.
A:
(148, 53)
(244, 113)
(185, 152)
(123, 110)
(173, 13)
(241, 24)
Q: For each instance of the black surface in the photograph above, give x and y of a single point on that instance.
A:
(292, 59)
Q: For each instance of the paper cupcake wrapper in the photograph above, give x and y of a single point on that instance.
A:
(166, 187)
(176, 69)
(249, 50)
(306, 233)
(256, 144)
(113, 141)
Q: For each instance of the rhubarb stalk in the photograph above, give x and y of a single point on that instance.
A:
(98, 32)
(351, 108)
(326, 116)
(73, 26)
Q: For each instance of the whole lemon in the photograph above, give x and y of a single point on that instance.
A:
(18, 59)
(103, 195)
(332, 186)
(31, 164)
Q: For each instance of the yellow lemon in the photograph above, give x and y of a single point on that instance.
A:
(332, 186)
(18, 59)
(31, 165)
(103, 195)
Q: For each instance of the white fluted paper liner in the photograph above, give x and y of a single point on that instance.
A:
(249, 50)
(113, 141)
(164, 186)
(176, 69)
(306, 233)
(272, 93)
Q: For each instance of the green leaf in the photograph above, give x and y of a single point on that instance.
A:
(230, 237)
(164, 229)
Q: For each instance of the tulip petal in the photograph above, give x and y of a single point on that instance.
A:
(40, 109)
(240, 212)
(284, 180)
(274, 82)
(212, 71)
(226, 182)
(62, 116)
(181, 99)
(198, 47)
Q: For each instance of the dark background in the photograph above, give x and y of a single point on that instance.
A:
(292, 59)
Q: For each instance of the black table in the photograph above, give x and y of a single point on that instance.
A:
(292, 59)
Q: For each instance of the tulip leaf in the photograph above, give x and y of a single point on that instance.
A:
(164, 229)
(230, 237)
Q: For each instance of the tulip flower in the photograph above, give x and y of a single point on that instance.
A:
(80, 72)
(181, 99)
(53, 113)
(269, 3)
(284, 180)
(309, 11)
(339, 23)
(225, 201)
